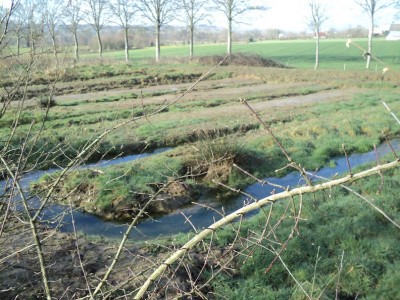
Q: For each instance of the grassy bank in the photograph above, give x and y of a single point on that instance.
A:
(312, 135)
(343, 248)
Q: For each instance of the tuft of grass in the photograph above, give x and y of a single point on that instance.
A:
(46, 102)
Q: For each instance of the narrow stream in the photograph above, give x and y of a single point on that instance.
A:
(200, 216)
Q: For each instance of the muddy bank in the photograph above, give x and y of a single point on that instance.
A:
(70, 262)
(176, 195)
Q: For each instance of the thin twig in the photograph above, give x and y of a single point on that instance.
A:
(391, 147)
(261, 181)
(123, 242)
(292, 163)
(380, 174)
(78, 252)
(347, 158)
(317, 259)
(366, 200)
(33, 227)
(291, 235)
(338, 278)
(291, 275)
(393, 115)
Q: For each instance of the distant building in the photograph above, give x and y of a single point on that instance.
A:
(322, 35)
(394, 33)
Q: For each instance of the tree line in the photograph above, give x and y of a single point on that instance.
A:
(30, 19)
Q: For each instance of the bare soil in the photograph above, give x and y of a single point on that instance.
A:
(76, 262)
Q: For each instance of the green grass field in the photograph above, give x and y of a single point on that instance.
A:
(295, 53)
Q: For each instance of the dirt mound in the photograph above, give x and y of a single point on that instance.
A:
(240, 59)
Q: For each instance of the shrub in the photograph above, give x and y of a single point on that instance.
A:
(46, 101)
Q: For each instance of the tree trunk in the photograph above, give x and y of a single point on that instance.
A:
(53, 40)
(229, 43)
(32, 45)
(126, 44)
(76, 46)
(369, 49)
(316, 51)
(31, 42)
(100, 45)
(158, 42)
(191, 40)
(18, 43)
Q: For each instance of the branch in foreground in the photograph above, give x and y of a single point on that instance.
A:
(392, 113)
(257, 205)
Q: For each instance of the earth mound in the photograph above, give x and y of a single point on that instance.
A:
(240, 59)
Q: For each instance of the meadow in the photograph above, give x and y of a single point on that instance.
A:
(314, 115)
(294, 53)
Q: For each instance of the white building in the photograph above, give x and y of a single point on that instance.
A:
(394, 33)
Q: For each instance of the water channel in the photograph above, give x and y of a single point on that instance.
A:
(199, 215)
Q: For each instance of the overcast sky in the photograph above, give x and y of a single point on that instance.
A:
(293, 15)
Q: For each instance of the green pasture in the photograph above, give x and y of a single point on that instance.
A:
(295, 53)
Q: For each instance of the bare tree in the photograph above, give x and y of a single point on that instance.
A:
(13, 160)
(96, 17)
(193, 14)
(232, 10)
(53, 15)
(6, 16)
(18, 21)
(72, 19)
(318, 16)
(158, 12)
(371, 7)
(124, 11)
(31, 11)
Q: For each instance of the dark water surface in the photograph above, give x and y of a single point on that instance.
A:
(200, 216)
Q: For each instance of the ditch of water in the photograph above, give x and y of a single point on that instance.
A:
(200, 216)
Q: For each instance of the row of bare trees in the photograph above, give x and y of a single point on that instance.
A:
(371, 8)
(319, 14)
(32, 18)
